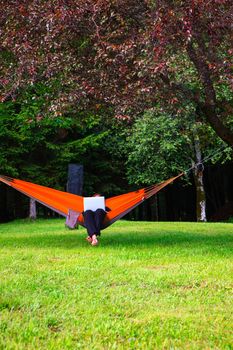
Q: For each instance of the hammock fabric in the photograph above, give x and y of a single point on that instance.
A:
(71, 206)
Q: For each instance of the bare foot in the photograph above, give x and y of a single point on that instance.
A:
(94, 240)
(89, 239)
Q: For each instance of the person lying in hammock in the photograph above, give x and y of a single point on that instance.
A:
(93, 221)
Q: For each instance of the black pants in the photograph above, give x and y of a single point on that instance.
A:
(93, 221)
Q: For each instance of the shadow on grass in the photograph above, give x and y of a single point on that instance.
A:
(221, 243)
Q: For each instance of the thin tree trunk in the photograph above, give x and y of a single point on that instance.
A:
(32, 213)
(156, 212)
(198, 178)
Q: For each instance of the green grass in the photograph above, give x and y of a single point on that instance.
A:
(147, 286)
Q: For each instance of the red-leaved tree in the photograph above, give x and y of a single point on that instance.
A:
(129, 55)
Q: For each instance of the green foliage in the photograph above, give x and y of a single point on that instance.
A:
(161, 144)
(11, 140)
(158, 147)
(38, 147)
(146, 286)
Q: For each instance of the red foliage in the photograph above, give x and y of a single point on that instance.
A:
(127, 54)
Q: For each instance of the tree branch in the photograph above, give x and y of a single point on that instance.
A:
(208, 109)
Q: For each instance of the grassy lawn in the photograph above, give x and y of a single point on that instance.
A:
(147, 286)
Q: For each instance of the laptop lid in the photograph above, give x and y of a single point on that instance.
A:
(93, 203)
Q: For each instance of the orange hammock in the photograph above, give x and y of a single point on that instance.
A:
(71, 205)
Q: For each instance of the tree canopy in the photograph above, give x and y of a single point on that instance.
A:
(127, 55)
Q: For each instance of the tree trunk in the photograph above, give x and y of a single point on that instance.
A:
(32, 213)
(156, 208)
(200, 196)
(221, 130)
(198, 178)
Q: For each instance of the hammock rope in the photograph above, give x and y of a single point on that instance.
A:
(205, 159)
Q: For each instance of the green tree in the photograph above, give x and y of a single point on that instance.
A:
(12, 140)
(161, 145)
(39, 146)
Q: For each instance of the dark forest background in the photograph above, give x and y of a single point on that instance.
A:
(177, 202)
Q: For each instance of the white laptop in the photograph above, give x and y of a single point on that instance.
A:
(93, 203)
